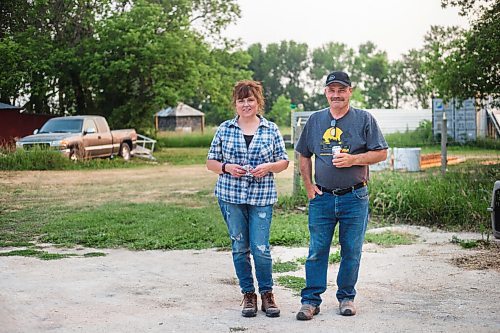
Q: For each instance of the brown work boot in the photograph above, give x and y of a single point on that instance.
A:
(347, 308)
(269, 305)
(249, 305)
(307, 312)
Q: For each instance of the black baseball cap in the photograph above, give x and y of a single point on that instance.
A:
(338, 77)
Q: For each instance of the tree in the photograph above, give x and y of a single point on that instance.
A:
(281, 68)
(280, 111)
(465, 64)
(124, 59)
(372, 67)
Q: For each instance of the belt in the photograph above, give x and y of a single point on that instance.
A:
(342, 191)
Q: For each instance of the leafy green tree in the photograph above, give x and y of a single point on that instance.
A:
(372, 66)
(465, 64)
(418, 89)
(124, 59)
(280, 111)
(281, 68)
(324, 59)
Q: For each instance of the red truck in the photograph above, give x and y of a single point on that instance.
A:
(81, 137)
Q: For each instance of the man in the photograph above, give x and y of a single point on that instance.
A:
(344, 141)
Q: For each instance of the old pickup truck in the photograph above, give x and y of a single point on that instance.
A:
(81, 137)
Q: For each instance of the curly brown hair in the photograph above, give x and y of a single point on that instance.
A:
(246, 88)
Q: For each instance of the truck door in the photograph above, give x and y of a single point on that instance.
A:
(95, 143)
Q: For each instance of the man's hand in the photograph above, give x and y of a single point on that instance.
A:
(343, 160)
(312, 190)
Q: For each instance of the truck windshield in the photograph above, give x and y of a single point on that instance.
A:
(62, 126)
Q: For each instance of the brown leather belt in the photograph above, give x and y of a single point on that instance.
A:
(342, 191)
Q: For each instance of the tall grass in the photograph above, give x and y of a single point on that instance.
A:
(420, 137)
(457, 200)
(43, 159)
(36, 159)
(185, 140)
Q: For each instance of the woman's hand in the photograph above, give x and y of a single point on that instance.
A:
(261, 170)
(235, 170)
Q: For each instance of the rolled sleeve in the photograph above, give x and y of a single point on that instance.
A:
(279, 152)
(215, 151)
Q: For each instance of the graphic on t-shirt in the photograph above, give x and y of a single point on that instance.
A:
(332, 137)
(332, 134)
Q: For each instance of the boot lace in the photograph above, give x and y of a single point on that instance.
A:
(270, 299)
(248, 300)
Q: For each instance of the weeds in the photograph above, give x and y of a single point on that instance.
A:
(287, 266)
(292, 282)
(390, 238)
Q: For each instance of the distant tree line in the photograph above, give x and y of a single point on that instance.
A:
(127, 59)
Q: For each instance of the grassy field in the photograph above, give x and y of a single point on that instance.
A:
(169, 204)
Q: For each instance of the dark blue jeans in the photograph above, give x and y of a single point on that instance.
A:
(249, 228)
(325, 211)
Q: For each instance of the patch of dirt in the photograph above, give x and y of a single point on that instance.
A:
(485, 257)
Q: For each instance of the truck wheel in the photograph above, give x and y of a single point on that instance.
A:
(125, 151)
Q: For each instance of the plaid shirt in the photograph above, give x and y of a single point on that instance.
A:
(228, 146)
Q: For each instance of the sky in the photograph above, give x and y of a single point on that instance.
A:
(395, 26)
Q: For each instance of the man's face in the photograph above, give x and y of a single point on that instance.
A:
(338, 96)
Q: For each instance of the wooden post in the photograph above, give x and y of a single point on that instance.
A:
(444, 139)
(297, 130)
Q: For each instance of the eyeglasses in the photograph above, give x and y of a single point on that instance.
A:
(333, 124)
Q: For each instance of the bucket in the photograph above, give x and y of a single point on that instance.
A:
(407, 159)
(384, 165)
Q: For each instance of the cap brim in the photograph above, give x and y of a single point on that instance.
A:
(337, 81)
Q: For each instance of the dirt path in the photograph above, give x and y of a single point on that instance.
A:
(411, 288)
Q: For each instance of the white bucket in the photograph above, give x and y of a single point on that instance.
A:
(407, 159)
(384, 165)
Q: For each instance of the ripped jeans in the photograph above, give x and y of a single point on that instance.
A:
(249, 228)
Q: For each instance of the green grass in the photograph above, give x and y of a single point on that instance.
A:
(94, 254)
(185, 140)
(139, 226)
(465, 244)
(291, 282)
(456, 201)
(390, 238)
(287, 266)
(35, 253)
(37, 159)
(182, 156)
(334, 258)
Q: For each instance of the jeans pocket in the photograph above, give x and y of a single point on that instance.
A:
(361, 193)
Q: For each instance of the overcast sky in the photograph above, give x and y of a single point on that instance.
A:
(395, 26)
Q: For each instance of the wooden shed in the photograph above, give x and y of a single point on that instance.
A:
(181, 118)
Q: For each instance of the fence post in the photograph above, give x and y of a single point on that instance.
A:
(297, 131)
(444, 139)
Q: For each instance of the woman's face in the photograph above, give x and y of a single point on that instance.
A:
(247, 107)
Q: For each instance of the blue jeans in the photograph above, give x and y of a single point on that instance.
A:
(351, 212)
(249, 228)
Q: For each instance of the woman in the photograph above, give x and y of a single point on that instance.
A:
(246, 152)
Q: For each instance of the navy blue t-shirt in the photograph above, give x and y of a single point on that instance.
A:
(356, 132)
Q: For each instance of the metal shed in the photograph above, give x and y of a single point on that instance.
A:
(181, 118)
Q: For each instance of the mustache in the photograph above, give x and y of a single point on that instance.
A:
(338, 99)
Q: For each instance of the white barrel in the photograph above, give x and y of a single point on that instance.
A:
(407, 159)
(384, 165)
